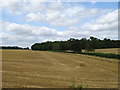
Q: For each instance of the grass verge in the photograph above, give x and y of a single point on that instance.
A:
(106, 55)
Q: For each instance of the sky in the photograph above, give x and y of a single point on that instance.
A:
(24, 23)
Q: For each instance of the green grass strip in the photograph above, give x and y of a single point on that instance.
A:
(106, 55)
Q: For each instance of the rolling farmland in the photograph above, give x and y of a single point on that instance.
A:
(43, 69)
(109, 50)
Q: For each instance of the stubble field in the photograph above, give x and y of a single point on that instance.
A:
(43, 69)
(109, 50)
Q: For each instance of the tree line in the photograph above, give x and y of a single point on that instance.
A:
(76, 45)
(12, 47)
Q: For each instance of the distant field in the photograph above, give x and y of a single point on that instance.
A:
(43, 69)
(109, 50)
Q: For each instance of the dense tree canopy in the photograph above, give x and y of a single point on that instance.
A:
(77, 45)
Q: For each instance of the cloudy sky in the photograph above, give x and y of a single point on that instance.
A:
(24, 23)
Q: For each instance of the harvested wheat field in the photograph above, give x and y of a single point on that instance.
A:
(108, 50)
(43, 69)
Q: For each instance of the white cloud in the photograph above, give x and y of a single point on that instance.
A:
(12, 6)
(33, 7)
(74, 10)
(93, 2)
(44, 31)
(21, 7)
(33, 17)
(105, 22)
(17, 40)
(26, 29)
(6, 3)
(75, 32)
(57, 14)
(25, 35)
(105, 26)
